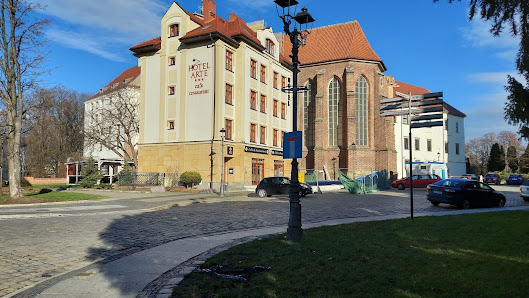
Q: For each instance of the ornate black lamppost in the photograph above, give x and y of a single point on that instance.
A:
(297, 38)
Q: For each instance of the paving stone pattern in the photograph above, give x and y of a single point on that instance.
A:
(40, 249)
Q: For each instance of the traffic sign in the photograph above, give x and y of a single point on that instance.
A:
(412, 111)
(292, 145)
(426, 124)
(412, 104)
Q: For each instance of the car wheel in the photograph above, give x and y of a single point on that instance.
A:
(400, 186)
(465, 204)
(435, 203)
(501, 202)
(526, 199)
(262, 193)
(301, 194)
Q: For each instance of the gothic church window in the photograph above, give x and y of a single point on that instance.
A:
(334, 112)
(362, 119)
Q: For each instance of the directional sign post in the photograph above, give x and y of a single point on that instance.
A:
(426, 107)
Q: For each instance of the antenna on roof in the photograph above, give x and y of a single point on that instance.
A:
(201, 7)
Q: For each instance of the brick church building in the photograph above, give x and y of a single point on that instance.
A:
(340, 118)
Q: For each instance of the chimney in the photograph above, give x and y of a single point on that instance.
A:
(210, 10)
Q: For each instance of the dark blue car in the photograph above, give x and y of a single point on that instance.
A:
(514, 179)
(464, 193)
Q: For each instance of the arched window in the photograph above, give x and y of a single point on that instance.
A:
(334, 112)
(309, 114)
(362, 120)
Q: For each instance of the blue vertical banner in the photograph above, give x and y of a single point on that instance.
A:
(292, 145)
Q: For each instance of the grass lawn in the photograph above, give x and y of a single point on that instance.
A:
(53, 196)
(470, 255)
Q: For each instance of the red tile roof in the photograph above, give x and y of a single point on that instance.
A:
(405, 88)
(334, 42)
(415, 90)
(125, 79)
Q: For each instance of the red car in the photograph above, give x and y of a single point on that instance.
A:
(418, 181)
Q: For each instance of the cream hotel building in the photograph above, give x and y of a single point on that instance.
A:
(204, 74)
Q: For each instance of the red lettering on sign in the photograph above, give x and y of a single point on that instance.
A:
(292, 139)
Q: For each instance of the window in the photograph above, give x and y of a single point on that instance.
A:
(275, 79)
(457, 126)
(229, 129)
(229, 60)
(334, 112)
(405, 119)
(257, 170)
(171, 90)
(172, 60)
(446, 124)
(406, 143)
(263, 135)
(309, 111)
(283, 82)
(282, 137)
(429, 145)
(263, 74)
(253, 69)
(457, 148)
(278, 167)
(253, 127)
(170, 124)
(362, 120)
(275, 108)
(253, 100)
(274, 141)
(269, 47)
(173, 30)
(446, 147)
(229, 94)
(283, 111)
(417, 144)
(263, 103)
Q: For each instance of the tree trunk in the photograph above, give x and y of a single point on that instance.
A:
(13, 159)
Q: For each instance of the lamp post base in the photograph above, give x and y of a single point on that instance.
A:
(294, 234)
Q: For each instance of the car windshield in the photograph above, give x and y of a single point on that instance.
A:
(526, 183)
(490, 175)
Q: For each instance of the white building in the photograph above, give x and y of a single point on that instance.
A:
(109, 116)
(436, 150)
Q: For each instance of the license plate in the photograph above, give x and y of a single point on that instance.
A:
(437, 192)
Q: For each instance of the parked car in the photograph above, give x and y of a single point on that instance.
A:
(469, 176)
(279, 186)
(524, 191)
(464, 193)
(492, 178)
(514, 179)
(418, 181)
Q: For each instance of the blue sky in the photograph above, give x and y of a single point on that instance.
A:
(431, 45)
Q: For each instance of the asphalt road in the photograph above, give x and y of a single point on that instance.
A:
(42, 241)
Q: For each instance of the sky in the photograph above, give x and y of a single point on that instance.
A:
(427, 44)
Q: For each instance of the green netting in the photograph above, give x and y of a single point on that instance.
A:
(374, 181)
(351, 185)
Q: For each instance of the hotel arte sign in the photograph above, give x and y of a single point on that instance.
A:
(200, 73)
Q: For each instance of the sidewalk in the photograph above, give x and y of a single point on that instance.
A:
(154, 272)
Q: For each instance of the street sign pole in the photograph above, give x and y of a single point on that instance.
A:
(411, 156)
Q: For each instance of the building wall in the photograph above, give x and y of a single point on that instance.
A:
(199, 110)
(439, 135)
(354, 160)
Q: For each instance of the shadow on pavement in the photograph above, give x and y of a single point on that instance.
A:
(135, 233)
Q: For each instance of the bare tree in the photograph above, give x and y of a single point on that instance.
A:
(509, 139)
(478, 151)
(113, 123)
(54, 131)
(21, 43)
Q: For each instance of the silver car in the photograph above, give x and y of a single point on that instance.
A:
(524, 191)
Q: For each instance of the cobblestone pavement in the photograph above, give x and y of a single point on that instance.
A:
(34, 248)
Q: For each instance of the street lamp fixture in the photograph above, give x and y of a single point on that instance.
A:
(222, 136)
(297, 38)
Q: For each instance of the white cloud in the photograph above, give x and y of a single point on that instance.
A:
(485, 114)
(130, 17)
(479, 35)
(493, 77)
(75, 40)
